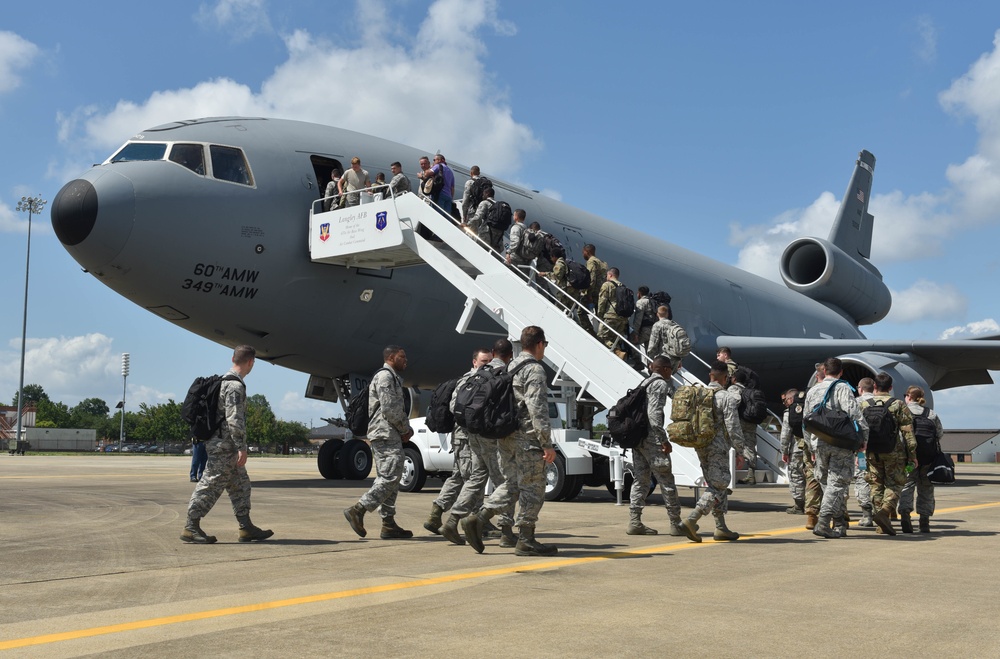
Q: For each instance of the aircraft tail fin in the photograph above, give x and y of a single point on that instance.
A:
(852, 230)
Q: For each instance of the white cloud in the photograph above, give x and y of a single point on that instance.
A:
(145, 394)
(985, 327)
(969, 407)
(69, 368)
(926, 47)
(392, 87)
(16, 53)
(242, 19)
(926, 299)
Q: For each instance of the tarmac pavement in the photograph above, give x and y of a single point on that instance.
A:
(93, 565)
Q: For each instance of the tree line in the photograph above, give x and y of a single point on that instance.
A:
(156, 423)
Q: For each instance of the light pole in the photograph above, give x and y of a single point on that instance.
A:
(32, 205)
(121, 432)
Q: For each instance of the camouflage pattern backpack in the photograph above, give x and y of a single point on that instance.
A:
(692, 416)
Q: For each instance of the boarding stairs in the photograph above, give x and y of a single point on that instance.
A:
(396, 232)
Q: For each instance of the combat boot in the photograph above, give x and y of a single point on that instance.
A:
(840, 528)
(925, 523)
(811, 521)
(528, 546)
(635, 525)
(677, 528)
(722, 531)
(798, 509)
(192, 532)
(882, 519)
(866, 519)
(450, 531)
(433, 523)
(393, 531)
(249, 532)
(507, 538)
(473, 527)
(690, 526)
(356, 518)
(823, 529)
(904, 523)
(751, 478)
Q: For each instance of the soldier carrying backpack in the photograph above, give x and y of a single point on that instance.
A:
(615, 306)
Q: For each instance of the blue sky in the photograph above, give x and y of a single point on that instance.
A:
(727, 127)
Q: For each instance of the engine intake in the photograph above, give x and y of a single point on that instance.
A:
(823, 272)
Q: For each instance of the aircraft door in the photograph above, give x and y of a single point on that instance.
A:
(739, 323)
(573, 241)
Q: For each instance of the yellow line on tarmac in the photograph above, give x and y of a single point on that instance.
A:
(386, 588)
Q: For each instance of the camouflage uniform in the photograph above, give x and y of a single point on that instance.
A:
(834, 466)
(606, 312)
(749, 429)
(648, 458)
(714, 458)
(792, 452)
(598, 270)
(521, 452)
(558, 276)
(887, 471)
(518, 235)
(484, 464)
(386, 426)
(221, 472)
(862, 491)
(917, 479)
(462, 451)
(643, 320)
(478, 224)
(662, 343)
(814, 493)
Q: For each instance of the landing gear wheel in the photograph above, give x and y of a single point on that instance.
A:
(573, 490)
(355, 460)
(414, 475)
(327, 459)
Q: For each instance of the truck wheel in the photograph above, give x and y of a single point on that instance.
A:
(414, 475)
(555, 479)
(355, 460)
(573, 491)
(327, 458)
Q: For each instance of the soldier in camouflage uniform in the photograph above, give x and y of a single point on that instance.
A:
(834, 465)
(714, 459)
(598, 270)
(227, 457)
(523, 454)
(791, 455)
(668, 338)
(917, 480)
(652, 457)
(466, 463)
(614, 325)
(887, 472)
(388, 428)
(643, 318)
(738, 384)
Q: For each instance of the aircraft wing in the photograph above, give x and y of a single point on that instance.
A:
(942, 364)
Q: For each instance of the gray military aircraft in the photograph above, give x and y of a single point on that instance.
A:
(204, 223)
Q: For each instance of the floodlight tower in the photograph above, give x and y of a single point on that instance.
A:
(33, 206)
(121, 432)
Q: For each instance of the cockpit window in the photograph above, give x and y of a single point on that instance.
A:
(228, 164)
(191, 156)
(140, 151)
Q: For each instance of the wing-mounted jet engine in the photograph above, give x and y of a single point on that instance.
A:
(836, 271)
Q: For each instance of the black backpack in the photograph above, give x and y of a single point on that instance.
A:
(439, 416)
(624, 301)
(660, 299)
(201, 405)
(795, 414)
(882, 431)
(577, 275)
(499, 216)
(752, 406)
(628, 419)
(485, 403)
(925, 431)
(358, 414)
(753, 380)
(552, 248)
(476, 193)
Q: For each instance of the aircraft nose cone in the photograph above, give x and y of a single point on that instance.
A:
(74, 212)
(93, 216)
